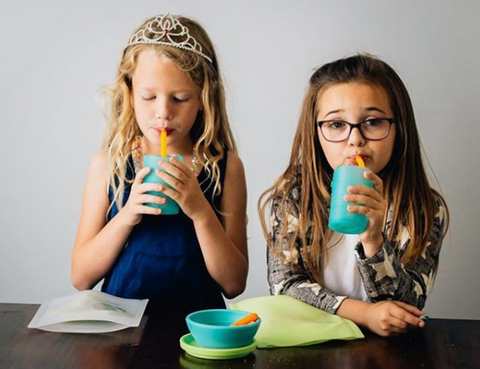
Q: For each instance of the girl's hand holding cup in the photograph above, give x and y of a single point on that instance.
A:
(139, 196)
(373, 207)
(185, 189)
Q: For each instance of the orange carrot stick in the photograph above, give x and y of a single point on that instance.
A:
(250, 318)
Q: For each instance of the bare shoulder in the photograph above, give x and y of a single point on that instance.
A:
(98, 173)
(235, 187)
(98, 168)
(95, 195)
(100, 160)
(235, 167)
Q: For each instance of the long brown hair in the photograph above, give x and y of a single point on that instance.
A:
(406, 186)
(211, 131)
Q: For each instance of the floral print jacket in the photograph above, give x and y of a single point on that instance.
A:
(384, 276)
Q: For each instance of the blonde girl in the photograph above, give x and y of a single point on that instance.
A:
(168, 79)
(356, 106)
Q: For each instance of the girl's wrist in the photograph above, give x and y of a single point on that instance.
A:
(371, 248)
(355, 310)
(124, 219)
(203, 216)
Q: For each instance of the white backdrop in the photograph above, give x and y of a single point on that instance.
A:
(57, 55)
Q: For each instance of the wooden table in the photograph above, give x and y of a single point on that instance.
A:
(155, 344)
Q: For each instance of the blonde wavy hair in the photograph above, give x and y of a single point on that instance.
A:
(211, 133)
(406, 186)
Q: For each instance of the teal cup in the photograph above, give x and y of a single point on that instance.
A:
(170, 206)
(340, 219)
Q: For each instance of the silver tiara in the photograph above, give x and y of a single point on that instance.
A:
(168, 31)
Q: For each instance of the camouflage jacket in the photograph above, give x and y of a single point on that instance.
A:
(384, 276)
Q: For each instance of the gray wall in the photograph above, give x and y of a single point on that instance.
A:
(56, 56)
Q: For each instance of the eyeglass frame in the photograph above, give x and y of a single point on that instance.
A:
(355, 125)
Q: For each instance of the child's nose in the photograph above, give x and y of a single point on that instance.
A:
(163, 110)
(356, 138)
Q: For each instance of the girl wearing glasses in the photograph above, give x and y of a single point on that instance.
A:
(379, 279)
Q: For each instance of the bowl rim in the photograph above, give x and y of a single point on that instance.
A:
(253, 324)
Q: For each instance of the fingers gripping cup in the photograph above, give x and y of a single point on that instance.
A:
(170, 206)
(341, 220)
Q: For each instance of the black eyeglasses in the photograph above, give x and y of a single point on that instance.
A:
(373, 129)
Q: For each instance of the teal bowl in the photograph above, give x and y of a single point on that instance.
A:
(212, 328)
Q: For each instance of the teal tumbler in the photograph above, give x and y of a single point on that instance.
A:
(340, 219)
(170, 206)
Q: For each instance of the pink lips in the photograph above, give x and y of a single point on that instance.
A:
(352, 160)
(158, 130)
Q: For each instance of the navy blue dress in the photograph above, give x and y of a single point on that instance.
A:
(162, 260)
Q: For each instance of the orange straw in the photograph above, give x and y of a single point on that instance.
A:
(250, 318)
(360, 161)
(163, 143)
